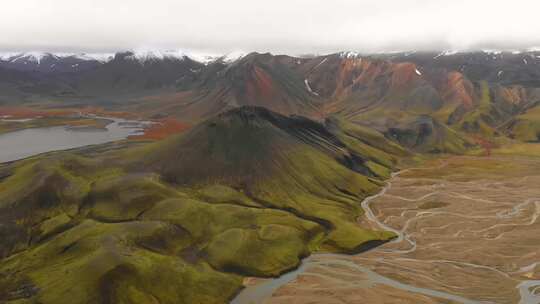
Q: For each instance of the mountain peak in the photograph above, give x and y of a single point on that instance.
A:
(34, 57)
(37, 57)
(146, 55)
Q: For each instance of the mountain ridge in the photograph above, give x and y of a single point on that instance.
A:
(384, 91)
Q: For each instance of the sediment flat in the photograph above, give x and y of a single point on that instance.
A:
(469, 234)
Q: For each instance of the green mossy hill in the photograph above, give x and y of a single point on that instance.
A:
(428, 135)
(40, 197)
(425, 123)
(526, 127)
(369, 143)
(483, 118)
(287, 163)
(242, 143)
(421, 133)
(248, 193)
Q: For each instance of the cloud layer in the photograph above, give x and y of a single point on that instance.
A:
(280, 26)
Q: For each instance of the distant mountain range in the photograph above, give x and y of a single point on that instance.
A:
(63, 62)
(431, 101)
(48, 62)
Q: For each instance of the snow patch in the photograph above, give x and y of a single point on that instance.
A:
(349, 55)
(203, 58)
(319, 64)
(8, 55)
(233, 56)
(207, 58)
(309, 88)
(446, 53)
(100, 57)
(534, 49)
(147, 55)
(492, 52)
(35, 57)
(142, 55)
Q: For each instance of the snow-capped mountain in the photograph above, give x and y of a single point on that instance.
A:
(48, 62)
(34, 57)
(101, 57)
(52, 62)
(148, 55)
(37, 57)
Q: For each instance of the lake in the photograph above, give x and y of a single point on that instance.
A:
(29, 142)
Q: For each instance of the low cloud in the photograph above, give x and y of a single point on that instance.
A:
(279, 26)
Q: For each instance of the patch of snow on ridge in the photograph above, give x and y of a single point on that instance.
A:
(309, 87)
(38, 56)
(233, 56)
(349, 55)
(145, 55)
(534, 49)
(207, 58)
(100, 57)
(492, 52)
(322, 61)
(203, 57)
(31, 57)
(446, 53)
(7, 56)
(141, 55)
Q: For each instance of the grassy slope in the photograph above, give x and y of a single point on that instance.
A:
(478, 121)
(290, 164)
(239, 195)
(526, 127)
(422, 133)
(131, 229)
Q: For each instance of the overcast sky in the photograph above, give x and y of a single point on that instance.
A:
(279, 26)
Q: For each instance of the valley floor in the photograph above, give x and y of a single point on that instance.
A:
(469, 233)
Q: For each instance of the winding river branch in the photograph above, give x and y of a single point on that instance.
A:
(467, 232)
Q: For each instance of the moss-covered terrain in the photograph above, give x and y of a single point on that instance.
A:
(526, 127)
(184, 220)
